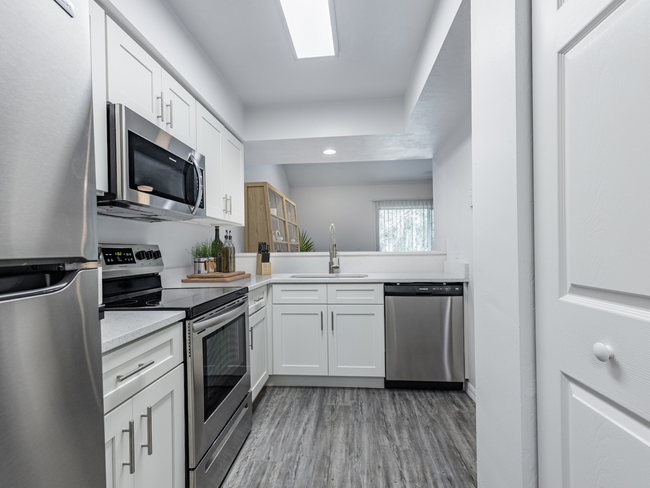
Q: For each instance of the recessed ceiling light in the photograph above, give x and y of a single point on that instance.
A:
(329, 152)
(310, 27)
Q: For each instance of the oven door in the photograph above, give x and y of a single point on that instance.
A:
(219, 378)
(150, 168)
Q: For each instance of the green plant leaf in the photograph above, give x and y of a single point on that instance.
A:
(305, 242)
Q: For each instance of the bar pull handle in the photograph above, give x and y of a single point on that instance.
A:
(162, 108)
(332, 321)
(321, 321)
(149, 444)
(140, 367)
(225, 203)
(130, 431)
(230, 205)
(251, 332)
(171, 115)
(259, 299)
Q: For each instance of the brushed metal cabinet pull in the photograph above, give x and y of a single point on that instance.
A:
(131, 432)
(149, 444)
(251, 331)
(230, 200)
(162, 108)
(332, 321)
(171, 115)
(140, 367)
(321, 321)
(225, 203)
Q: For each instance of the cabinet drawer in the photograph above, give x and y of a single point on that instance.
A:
(131, 368)
(302, 293)
(257, 300)
(356, 294)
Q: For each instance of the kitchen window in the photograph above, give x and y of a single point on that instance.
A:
(404, 225)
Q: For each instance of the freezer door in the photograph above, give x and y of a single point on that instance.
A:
(47, 170)
(51, 409)
(424, 339)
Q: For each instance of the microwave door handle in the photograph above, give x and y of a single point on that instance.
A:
(199, 176)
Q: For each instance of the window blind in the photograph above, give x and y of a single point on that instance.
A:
(404, 225)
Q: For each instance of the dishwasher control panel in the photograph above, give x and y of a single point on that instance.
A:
(424, 289)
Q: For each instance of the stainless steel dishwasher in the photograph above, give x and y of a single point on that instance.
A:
(424, 335)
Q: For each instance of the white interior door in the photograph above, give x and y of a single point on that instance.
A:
(134, 77)
(592, 226)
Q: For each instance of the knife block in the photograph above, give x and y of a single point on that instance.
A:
(264, 264)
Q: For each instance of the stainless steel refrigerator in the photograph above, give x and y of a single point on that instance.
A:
(51, 415)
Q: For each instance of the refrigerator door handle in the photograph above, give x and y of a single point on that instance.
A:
(47, 290)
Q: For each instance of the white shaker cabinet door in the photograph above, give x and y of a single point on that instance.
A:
(134, 77)
(259, 356)
(300, 339)
(179, 110)
(209, 134)
(159, 416)
(356, 340)
(118, 445)
(232, 178)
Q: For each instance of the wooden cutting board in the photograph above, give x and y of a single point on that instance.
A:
(215, 275)
(216, 280)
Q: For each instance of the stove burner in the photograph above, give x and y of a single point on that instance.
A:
(152, 303)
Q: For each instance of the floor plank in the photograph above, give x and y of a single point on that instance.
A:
(349, 438)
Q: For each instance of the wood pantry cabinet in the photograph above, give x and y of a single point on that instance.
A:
(270, 217)
(145, 435)
(321, 339)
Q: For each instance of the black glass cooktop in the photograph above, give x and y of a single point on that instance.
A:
(194, 301)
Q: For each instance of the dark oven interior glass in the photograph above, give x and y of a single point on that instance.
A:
(154, 170)
(224, 363)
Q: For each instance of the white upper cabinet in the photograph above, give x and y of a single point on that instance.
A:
(179, 110)
(134, 77)
(209, 133)
(98, 55)
(232, 172)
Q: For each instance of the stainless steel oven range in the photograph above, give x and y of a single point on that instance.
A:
(219, 404)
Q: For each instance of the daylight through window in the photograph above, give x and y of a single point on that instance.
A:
(404, 225)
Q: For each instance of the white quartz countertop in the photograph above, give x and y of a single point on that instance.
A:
(256, 281)
(120, 328)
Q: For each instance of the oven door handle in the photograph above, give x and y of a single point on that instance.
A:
(199, 177)
(220, 320)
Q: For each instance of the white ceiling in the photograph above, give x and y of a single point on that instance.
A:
(379, 41)
(359, 173)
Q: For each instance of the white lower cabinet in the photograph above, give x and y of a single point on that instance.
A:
(356, 343)
(259, 357)
(145, 437)
(300, 340)
(328, 340)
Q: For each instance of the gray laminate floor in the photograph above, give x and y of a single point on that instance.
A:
(346, 437)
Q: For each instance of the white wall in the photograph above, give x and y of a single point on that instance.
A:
(174, 238)
(154, 25)
(351, 209)
(503, 244)
(452, 201)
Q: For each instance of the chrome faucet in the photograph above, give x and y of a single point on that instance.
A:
(334, 261)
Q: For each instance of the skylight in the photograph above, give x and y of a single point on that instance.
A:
(310, 27)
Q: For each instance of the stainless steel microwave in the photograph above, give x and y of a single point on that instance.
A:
(152, 176)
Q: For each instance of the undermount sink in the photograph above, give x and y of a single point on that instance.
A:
(328, 275)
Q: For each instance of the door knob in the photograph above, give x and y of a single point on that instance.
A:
(602, 352)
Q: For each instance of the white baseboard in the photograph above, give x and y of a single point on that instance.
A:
(470, 390)
(325, 381)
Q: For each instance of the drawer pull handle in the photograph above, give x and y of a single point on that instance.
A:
(149, 444)
(259, 299)
(140, 367)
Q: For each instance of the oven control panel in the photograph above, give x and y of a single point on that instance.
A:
(129, 259)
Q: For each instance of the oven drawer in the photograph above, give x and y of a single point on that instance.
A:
(133, 367)
(256, 300)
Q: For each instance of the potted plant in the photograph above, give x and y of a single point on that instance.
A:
(305, 242)
(203, 260)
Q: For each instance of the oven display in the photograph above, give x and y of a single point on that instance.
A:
(113, 256)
